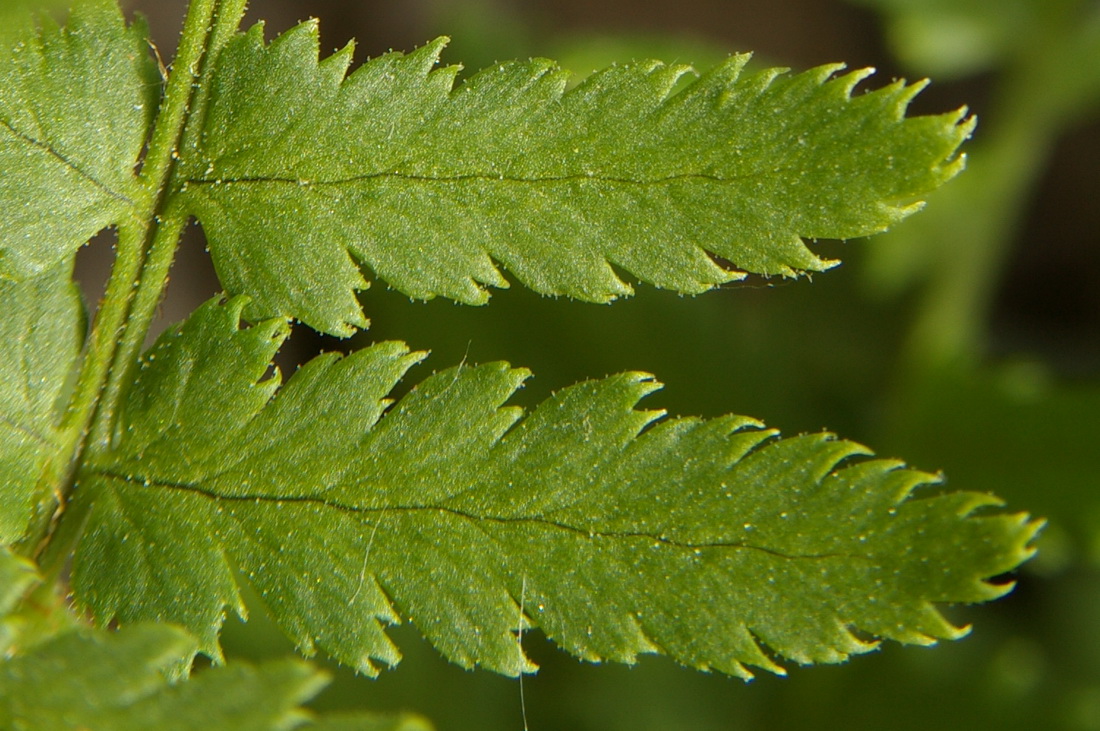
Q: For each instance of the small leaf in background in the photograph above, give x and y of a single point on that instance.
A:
(558, 187)
(958, 37)
(619, 532)
(76, 103)
(116, 681)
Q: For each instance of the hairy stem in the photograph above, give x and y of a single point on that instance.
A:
(145, 252)
(164, 238)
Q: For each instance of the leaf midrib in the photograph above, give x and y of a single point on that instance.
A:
(488, 177)
(140, 481)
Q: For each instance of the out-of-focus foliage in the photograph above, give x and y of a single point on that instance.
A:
(1020, 430)
(16, 576)
(11, 9)
(953, 38)
(1045, 78)
(114, 681)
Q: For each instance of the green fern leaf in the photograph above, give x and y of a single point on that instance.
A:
(613, 530)
(109, 680)
(42, 328)
(76, 103)
(303, 174)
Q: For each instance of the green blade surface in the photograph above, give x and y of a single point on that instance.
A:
(42, 329)
(76, 103)
(305, 174)
(615, 531)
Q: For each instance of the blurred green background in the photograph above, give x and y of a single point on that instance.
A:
(967, 341)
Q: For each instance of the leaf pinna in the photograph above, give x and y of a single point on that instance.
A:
(630, 533)
(115, 681)
(428, 185)
(64, 176)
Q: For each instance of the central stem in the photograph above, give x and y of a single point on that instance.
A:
(209, 25)
(140, 273)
